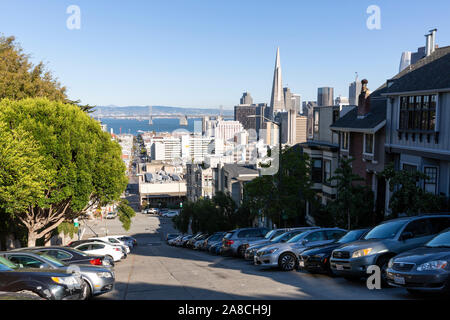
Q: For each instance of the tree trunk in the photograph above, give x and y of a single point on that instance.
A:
(32, 237)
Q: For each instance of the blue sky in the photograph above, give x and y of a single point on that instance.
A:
(205, 53)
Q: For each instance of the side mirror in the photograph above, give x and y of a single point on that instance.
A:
(407, 235)
(305, 241)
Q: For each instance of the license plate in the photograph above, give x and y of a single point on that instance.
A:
(399, 280)
(339, 267)
(302, 264)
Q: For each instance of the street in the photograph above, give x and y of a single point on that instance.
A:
(155, 270)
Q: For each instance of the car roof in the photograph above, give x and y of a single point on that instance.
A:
(410, 218)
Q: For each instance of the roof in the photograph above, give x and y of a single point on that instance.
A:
(425, 74)
(429, 73)
(237, 170)
(319, 145)
(373, 120)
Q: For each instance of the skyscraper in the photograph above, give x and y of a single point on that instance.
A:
(287, 99)
(246, 98)
(325, 96)
(297, 103)
(277, 98)
(354, 90)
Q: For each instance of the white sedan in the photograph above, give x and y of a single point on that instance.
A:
(113, 241)
(101, 249)
(170, 214)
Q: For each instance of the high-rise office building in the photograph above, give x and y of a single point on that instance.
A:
(297, 103)
(251, 116)
(246, 98)
(287, 95)
(277, 97)
(325, 96)
(354, 89)
(226, 130)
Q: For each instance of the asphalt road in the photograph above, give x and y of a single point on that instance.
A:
(155, 270)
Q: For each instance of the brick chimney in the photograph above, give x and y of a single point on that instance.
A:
(364, 100)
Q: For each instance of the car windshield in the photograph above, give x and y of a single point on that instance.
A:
(441, 240)
(81, 253)
(386, 230)
(56, 262)
(296, 238)
(270, 234)
(228, 235)
(351, 236)
(6, 265)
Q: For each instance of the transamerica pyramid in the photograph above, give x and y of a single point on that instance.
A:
(277, 99)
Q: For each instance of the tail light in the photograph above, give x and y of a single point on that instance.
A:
(70, 243)
(96, 262)
(117, 249)
(229, 242)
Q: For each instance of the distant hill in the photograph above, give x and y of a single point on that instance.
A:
(143, 111)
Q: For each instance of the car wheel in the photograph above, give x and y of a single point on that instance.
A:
(241, 252)
(382, 262)
(87, 292)
(287, 262)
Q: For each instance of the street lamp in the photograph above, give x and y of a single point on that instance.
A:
(279, 124)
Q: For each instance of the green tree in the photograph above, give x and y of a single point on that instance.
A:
(285, 204)
(126, 213)
(76, 165)
(354, 202)
(408, 197)
(20, 79)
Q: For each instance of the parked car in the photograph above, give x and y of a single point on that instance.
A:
(216, 248)
(171, 236)
(317, 259)
(73, 256)
(98, 279)
(215, 238)
(284, 237)
(151, 211)
(112, 240)
(101, 248)
(173, 241)
(19, 296)
(170, 214)
(234, 241)
(285, 255)
(121, 248)
(425, 268)
(111, 215)
(182, 242)
(133, 241)
(269, 236)
(385, 241)
(199, 236)
(49, 284)
(122, 239)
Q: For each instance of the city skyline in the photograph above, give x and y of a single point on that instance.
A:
(145, 53)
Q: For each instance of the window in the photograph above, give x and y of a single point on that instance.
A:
(27, 262)
(345, 136)
(317, 171)
(84, 247)
(418, 113)
(58, 254)
(335, 234)
(326, 171)
(439, 224)
(316, 236)
(409, 167)
(335, 115)
(368, 143)
(430, 183)
(419, 228)
(97, 246)
(316, 121)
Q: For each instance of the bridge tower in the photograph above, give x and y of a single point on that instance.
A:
(150, 112)
(183, 121)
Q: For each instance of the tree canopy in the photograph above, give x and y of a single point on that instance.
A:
(20, 79)
(67, 163)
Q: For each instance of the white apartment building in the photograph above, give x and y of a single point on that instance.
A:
(227, 130)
